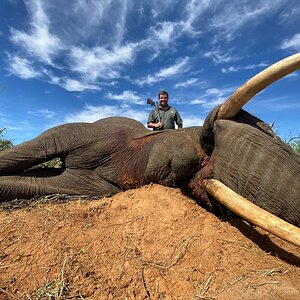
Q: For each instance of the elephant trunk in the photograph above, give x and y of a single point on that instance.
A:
(256, 84)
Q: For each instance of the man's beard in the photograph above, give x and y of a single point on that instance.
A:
(163, 103)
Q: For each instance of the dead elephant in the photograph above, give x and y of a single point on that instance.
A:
(115, 154)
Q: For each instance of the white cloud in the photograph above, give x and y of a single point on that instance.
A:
(121, 22)
(191, 120)
(163, 33)
(219, 57)
(292, 43)
(127, 96)
(229, 17)
(198, 101)
(159, 8)
(181, 66)
(99, 62)
(39, 43)
(102, 22)
(254, 66)
(274, 104)
(225, 21)
(160, 36)
(194, 9)
(43, 44)
(213, 97)
(294, 74)
(232, 69)
(220, 92)
(4, 121)
(290, 15)
(73, 85)
(92, 113)
(22, 68)
(45, 113)
(225, 18)
(189, 82)
(22, 126)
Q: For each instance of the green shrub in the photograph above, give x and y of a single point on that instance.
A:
(54, 163)
(295, 144)
(4, 143)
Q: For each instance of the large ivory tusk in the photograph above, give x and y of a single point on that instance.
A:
(256, 84)
(252, 213)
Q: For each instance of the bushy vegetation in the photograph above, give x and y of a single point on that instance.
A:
(4, 143)
(295, 144)
(54, 163)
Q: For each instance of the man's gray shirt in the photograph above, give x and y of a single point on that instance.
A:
(168, 117)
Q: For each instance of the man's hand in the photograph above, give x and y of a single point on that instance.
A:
(159, 125)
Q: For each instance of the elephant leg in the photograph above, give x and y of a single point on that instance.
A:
(53, 143)
(74, 182)
(26, 155)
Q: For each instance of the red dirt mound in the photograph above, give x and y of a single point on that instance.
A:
(150, 243)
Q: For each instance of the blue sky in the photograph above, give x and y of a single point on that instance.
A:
(72, 61)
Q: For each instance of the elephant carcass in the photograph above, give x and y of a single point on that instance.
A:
(114, 154)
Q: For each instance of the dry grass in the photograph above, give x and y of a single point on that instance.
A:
(49, 199)
(179, 254)
(202, 288)
(54, 289)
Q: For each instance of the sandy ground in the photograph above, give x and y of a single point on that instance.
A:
(149, 243)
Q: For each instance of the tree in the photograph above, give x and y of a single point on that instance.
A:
(295, 144)
(4, 143)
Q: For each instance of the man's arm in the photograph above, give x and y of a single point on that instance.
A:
(151, 121)
(154, 125)
(178, 120)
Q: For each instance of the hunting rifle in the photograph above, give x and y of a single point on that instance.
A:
(155, 103)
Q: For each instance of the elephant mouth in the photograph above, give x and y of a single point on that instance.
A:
(223, 194)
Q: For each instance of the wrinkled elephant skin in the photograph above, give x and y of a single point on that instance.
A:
(115, 154)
